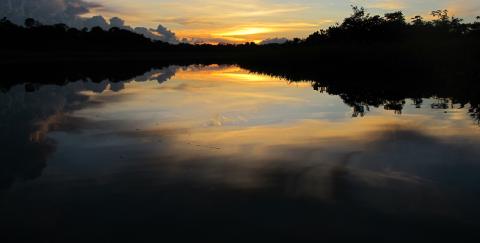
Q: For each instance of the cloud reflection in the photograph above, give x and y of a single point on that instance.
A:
(28, 118)
(218, 143)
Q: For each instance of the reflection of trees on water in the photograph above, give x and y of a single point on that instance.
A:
(389, 86)
(29, 112)
(474, 112)
(417, 102)
(116, 73)
(396, 106)
(361, 103)
(441, 104)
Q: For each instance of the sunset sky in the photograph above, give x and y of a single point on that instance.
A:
(220, 20)
(253, 20)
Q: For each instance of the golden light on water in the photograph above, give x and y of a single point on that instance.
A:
(222, 125)
(216, 94)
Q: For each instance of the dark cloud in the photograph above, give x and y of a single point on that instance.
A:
(46, 11)
(70, 12)
(273, 41)
(166, 34)
(161, 33)
(184, 21)
(95, 21)
(117, 22)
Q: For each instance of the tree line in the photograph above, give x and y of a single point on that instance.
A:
(363, 27)
(367, 59)
(360, 27)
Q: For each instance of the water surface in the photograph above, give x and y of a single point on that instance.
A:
(218, 152)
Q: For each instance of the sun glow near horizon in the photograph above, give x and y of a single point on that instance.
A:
(235, 21)
(246, 31)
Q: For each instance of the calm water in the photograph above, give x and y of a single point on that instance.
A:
(216, 152)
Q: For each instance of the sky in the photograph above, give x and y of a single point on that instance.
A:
(243, 20)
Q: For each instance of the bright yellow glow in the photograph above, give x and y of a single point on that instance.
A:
(229, 75)
(246, 31)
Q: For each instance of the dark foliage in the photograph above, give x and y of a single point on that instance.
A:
(359, 28)
(392, 27)
(367, 60)
(37, 37)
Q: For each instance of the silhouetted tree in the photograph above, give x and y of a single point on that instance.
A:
(360, 27)
(31, 23)
(418, 21)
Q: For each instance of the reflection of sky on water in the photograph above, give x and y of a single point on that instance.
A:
(221, 127)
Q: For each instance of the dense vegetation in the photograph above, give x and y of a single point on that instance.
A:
(37, 37)
(359, 28)
(368, 60)
(393, 27)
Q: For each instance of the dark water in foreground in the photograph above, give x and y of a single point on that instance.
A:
(215, 152)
